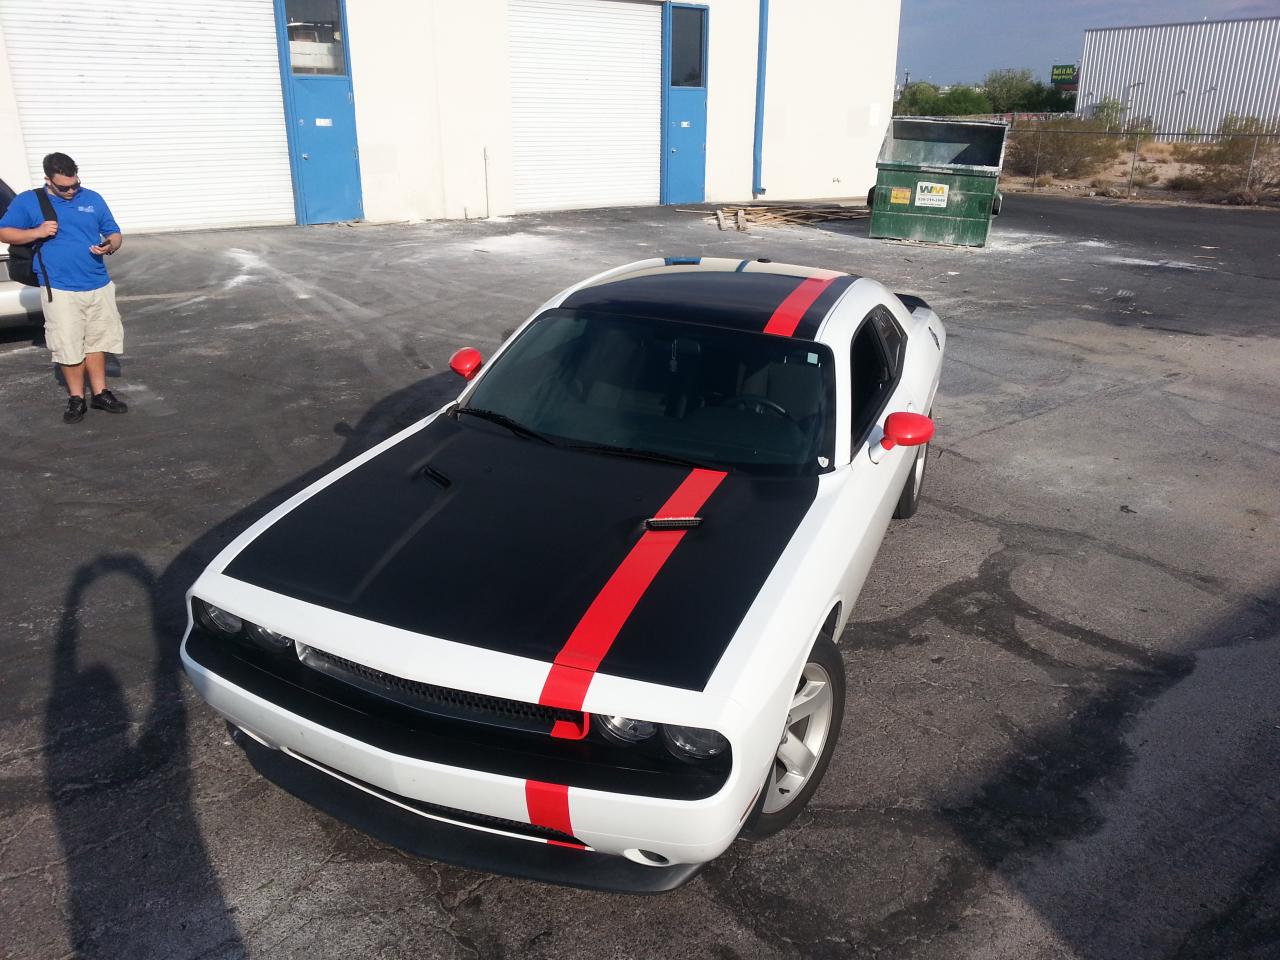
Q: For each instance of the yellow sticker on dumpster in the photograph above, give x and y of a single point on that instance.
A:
(900, 195)
(931, 194)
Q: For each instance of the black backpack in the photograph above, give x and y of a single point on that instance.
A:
(22, 256)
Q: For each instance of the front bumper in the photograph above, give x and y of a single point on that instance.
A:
(386, 819)
(681, 831)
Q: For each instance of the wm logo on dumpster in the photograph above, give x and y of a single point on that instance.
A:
(931, 194)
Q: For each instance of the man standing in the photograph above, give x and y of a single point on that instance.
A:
(81, 322)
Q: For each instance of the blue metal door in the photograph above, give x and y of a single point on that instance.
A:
(320, 110)
(684, 149)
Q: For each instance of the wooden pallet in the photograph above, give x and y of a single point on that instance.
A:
(773, 215)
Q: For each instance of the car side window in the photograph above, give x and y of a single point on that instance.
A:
(872, 376)
(895, 341)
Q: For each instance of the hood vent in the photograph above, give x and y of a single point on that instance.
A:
(436, 477)
(672, 523)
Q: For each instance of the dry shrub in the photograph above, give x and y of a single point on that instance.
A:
(1069, 147)
(1185, 181)
(1144, 174)
(1242, 198)
(1187, 151)
(1241, 165)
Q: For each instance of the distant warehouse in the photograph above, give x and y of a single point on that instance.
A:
(1184, 77)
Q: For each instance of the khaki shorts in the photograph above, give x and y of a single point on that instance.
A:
(77, 322)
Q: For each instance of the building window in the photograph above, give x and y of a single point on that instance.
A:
(315, 36)
(687, 27)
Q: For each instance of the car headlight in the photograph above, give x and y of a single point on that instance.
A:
(695, 743)
(628, 730)
(269, 638)
(216, 620)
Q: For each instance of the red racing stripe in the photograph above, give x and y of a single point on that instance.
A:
(548, 805)
(790, 311)
(575, 665)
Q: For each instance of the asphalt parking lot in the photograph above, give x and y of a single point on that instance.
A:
(1062, 734)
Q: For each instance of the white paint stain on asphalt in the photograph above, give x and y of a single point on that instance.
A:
(1166, 264)
(252, 266)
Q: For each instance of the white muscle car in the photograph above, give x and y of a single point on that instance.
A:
(589, 610)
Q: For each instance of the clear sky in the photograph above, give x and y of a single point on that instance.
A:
(959, 41)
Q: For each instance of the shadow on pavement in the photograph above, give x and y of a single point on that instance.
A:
(139, 877)
(141, 882)
(1142, 825)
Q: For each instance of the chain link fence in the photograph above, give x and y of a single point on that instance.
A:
(1231, 166)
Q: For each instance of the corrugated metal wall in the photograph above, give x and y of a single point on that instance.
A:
(1185, 76)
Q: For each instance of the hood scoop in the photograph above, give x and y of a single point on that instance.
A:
(672, 523)
(436, 477)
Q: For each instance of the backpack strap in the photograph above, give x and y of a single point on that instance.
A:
(46, 208)
(46, 205)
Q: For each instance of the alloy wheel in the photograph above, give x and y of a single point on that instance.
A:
(803, 738)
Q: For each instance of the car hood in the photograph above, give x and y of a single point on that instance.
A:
(465, 532)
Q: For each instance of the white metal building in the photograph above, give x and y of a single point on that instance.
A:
(1184, 77)
(310, 111)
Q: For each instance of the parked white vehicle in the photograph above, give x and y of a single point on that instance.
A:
(592, 605)
(19, 304)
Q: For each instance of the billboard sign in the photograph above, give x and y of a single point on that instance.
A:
(1064, 75)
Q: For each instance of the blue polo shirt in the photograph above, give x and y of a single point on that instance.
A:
(82, 222)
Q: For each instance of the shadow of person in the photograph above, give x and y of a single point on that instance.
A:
(139, 877)
(141, 881)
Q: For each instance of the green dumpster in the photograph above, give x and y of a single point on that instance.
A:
(937, 179)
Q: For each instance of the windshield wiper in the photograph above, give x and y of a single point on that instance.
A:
(642, 455)
(503, 420)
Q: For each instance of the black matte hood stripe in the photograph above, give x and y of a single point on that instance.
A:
(512, 551)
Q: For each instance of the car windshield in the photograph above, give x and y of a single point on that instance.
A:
(643, 386)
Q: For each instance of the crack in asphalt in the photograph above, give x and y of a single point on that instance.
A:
(1039, 798)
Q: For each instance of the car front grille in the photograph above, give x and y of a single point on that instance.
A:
(440, 701)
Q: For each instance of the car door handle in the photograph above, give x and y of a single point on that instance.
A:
(306, 156)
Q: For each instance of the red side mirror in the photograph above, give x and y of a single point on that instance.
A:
(906, 430)
(466, 362)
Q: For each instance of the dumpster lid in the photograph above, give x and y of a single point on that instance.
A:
(944, 145)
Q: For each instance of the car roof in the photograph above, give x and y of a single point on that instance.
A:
(738, 294)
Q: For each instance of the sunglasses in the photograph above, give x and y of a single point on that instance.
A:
(69, 188)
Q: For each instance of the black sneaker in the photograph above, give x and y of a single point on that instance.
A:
(75, 410)
(106, 401)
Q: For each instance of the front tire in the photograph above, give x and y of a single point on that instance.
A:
(808, 741)
(909, 500)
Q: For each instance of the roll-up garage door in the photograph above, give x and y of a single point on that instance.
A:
(586, 94)
(172, 110)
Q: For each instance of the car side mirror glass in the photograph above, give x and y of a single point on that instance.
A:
(466, 362)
